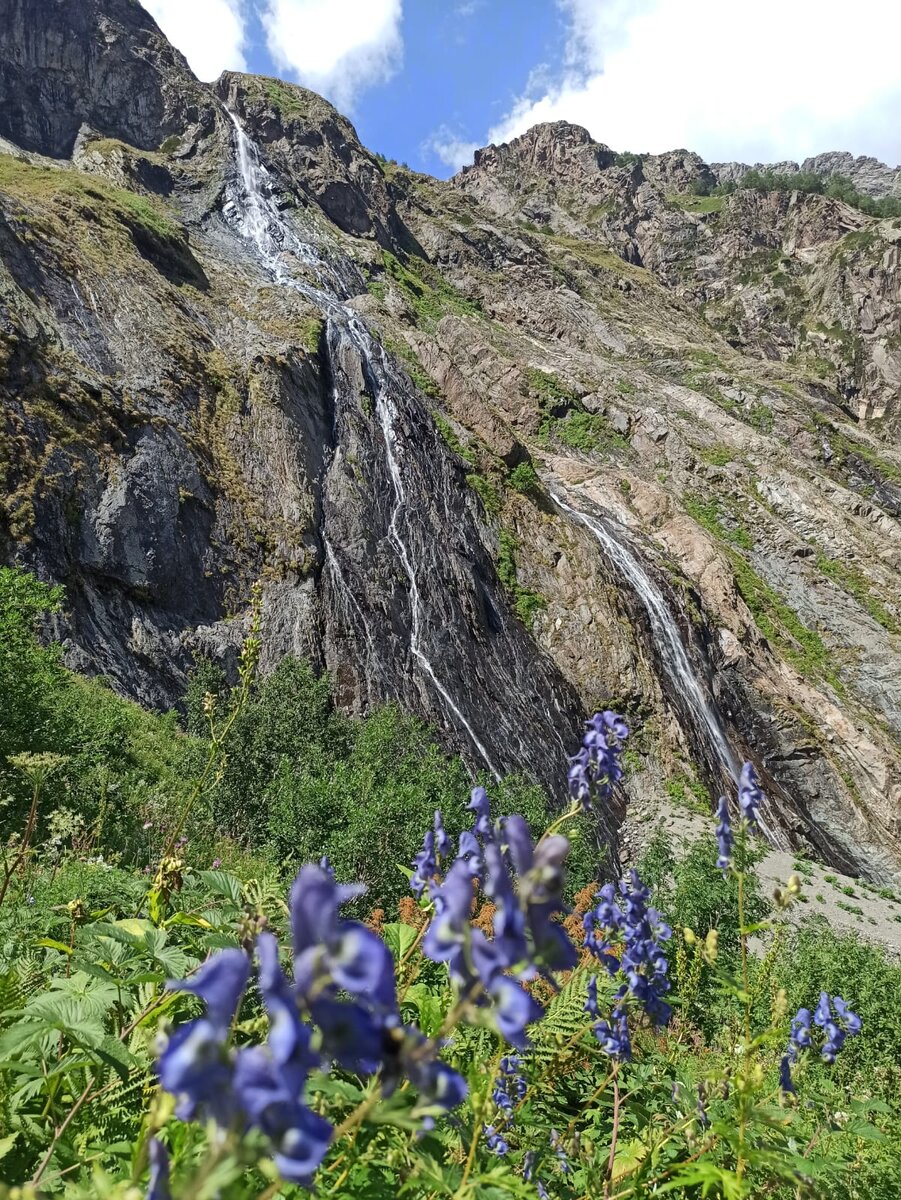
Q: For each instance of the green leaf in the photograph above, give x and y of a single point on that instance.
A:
(6, 1144)
(52, 944)
(221, 883)
(399, 938)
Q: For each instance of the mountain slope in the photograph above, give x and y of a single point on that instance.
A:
(555, 434)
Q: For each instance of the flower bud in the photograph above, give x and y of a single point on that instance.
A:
(710, 945)
(689, 935)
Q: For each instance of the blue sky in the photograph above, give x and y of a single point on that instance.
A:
(428, 81)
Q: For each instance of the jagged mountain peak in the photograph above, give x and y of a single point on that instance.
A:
(103, 63)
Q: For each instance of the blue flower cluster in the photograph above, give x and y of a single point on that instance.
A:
(524, 882)
(342, 1008)
(627, 935)
(836, 1026)
(750, 798)
(597, 767)
(495, 1141)
(509, 1087)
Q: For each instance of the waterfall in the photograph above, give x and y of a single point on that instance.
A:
(665, 628)
(258, 218)
(259, 221)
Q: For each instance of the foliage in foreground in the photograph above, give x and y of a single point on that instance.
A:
(484, 1042)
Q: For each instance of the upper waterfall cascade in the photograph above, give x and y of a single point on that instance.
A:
(258, 219)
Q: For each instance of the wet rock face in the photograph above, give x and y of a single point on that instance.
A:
(203, 388)
(100, 62)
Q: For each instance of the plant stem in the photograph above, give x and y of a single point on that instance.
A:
(26, 841)
(615, 1131)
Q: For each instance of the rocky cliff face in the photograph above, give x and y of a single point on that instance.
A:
(552, 435)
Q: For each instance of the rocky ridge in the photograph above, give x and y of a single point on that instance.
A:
(409, 406)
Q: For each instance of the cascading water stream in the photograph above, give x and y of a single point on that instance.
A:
(259, 221)
(665, 628)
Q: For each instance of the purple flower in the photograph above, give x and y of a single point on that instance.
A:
(329, 950)
(442, 841)
(851, 1020)
(195, 1065)
(541, 1190)
(450, 928)
(425, 865)
(785, 1074)
(158, 1186)
(509, 1087)
(614, 1034)
(481, 807)
(557, 1147)
(215, 864)
(835, 1031)
(514, 1009)
(591, 1003)
(724, 835)
(799, 1037)
(596, 767)
(300, 1139)
(642, 932)
(528, 1165)
(750, 797)
(495, 1141)
(470, 852)
(823, 1012)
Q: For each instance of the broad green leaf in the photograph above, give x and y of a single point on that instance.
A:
(399, 938)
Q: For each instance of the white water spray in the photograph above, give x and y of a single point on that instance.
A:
(667, 635)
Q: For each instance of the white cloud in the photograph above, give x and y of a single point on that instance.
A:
(337, 47)
(210, 33)
(768, 80)
(450, 147)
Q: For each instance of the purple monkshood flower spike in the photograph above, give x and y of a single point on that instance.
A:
(331, 950)
(495, 1141)
(750, 797)
(785, 1074)
(596, 768)
(480, 806)
(425, 865)
(195, 1065)
(442, 841)
(835, 1031)
(724, 835)
(628, 938)
(158, 1186)
(270, 1079)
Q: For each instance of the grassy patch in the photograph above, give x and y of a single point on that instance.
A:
(426, 292)
(717, 456)
(446, 430)
(781, 625)
(687, 792)
(413, 367)
(697, 204)
(776, 620)
(285, 99)
(486, 490)
(528, 604)
(72, 194)
(856, 584)
(524, 478)
(760, 415)
(709, 514)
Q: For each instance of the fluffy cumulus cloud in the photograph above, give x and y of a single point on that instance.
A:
(762, 81)
(336, 47)
(211, 34)
(450, 147)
